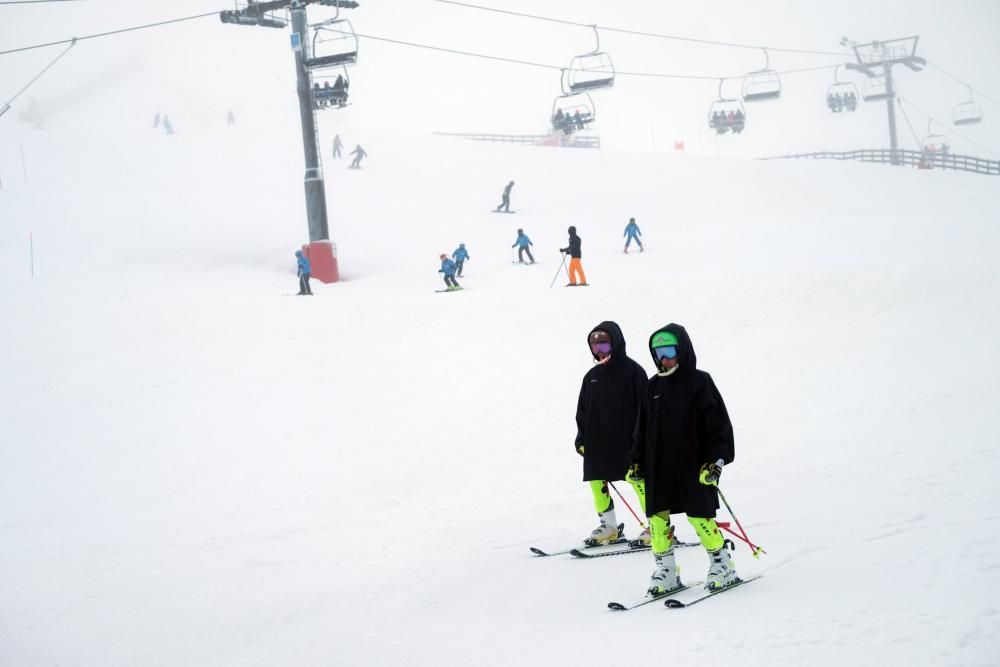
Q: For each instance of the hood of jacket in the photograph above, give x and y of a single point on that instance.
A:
(687, 361)
(618, 352)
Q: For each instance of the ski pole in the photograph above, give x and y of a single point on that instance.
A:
(757, 551)
(618, 493)
(558, 270)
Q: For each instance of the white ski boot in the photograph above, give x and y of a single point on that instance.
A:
(665, 578)
(607, 532)
(645, 538)
(722, 571)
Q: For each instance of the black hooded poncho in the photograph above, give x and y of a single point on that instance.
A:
(607, 408)
(682, 424)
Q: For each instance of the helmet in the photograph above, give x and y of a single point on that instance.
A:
(663, 339)
(520, 231)
(572, 230)
(443, 257)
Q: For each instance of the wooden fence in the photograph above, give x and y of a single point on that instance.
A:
(924, 160)
(557, 139)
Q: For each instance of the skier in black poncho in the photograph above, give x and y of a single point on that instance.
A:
(683, 437)
(605, 419)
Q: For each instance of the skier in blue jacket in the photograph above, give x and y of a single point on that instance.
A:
(460, 256)
(523, 245)
(448, 267)
(632, 233)
(305, 269)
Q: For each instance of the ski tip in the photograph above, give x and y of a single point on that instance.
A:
(673, 604)
(579, 554)
(538, 552)
(617, 606)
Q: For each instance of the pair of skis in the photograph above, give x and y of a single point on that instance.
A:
(682, 597)
(616, 547)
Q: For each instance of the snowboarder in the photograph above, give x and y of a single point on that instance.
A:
(523, 245)
(632, 233)
(682, 439)
(358, 154)
(305, 269)
(460, 256)
(337, 145)
(448, 269)
(575, 267)
(167, 125)
(605, 418)
(505, 203)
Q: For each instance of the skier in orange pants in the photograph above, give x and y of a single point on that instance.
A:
(575, 267)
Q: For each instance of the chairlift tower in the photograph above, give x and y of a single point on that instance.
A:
(320, 249)
(876, 60)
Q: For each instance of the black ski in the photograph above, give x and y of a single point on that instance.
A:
(687, 601)
(619, 606)
(583, 547)
(634, 546)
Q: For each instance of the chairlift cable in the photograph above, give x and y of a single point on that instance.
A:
(952, 130)
(660, 75)
(902, 110)
(31, 2)
(110, 32)
(642, 33)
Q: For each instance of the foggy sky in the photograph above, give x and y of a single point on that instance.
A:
(202, 68)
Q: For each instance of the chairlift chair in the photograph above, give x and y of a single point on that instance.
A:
(968, 112)
(593, 70)
(718, 114)
(335, 44)
(570, 105)
(764, 84)
(328, 94)
(874, 89)
(841, 95)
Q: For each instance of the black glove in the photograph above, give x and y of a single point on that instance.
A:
(709, 474)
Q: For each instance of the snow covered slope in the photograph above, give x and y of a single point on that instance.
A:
(197, 470)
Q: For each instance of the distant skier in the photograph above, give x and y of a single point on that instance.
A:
(167, 125)
(448, 269)
(605, 417)
(523, 245)
(505, 203)
(358, 154)
(632, 233)
(575, 267)
(156, 120)
(682, 439)
(231, 118)
(337, 145)
(460, 256)
(305, 270)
